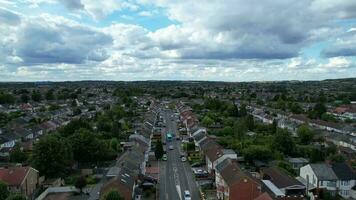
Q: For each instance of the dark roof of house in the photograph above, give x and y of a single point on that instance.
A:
(279, 178)
(213, 151)
(343, 171)
(323, 171)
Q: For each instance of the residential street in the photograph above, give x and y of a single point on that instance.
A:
(175, 176)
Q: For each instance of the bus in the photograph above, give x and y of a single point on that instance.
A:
(169, 137)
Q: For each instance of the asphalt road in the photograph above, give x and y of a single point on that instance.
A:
(175, 176)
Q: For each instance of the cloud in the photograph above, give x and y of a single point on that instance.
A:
(40, 40)
(98, 9)
(9, 17)
(344, 45)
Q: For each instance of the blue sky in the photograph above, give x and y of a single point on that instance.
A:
(233, 40)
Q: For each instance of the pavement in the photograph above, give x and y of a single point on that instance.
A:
(175, 176)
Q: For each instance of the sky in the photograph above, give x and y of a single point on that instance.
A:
(230, 40)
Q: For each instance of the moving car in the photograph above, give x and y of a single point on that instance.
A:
(184, 159)
(187, 195)
(171, 147)
(164, 157)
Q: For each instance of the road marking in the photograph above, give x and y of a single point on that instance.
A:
(179, 191)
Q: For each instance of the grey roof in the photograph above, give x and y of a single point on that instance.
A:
(228, 151)
(298, 160)
(343, 171)
(323, 171)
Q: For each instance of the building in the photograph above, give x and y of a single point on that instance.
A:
(22, 180)
(337, 178)
(281, 186)
(234, 184)
(346, 177)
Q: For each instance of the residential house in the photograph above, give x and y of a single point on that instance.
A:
(124, 182)
(234, 184)
(23, 180)
(282, 186)
(297, 163)
(319, 176)
(346, 178)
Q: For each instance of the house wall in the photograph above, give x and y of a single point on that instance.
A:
(30, 182)
(8, 144)
(344, 187)
(221, 186)
(306, 173)
(209, 164)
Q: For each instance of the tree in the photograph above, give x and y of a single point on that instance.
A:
(274, 126)
(80, 183)
(36, 95)
(17, 155)
(258, 152)
(113, 195)
(4, 192)
(159, 150)
(86, 147)
(283, 142)
(16, 197)
(318, 110)
(24, 98)
(114, 144)
(51, 155)
(243, 111)
(6, 98)
(207, 121)
(49, 95)
(74, 125)
(233, 110)
(305, 134)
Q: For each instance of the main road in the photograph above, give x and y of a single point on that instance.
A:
(175, 176)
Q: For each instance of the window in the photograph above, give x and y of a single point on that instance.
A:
(331, 183)
(345, 183)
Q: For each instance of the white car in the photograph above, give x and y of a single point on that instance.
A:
(171, 147)
(184, 159)
(187, 195)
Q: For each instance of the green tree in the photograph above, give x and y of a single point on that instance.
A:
(207, 121)
(17, 155)
(74, 125)
(16, 197)
(6, 98)
(114, 144)
(86, 147)
(305, 134)
(259, 152)
(51, 155)
(36, 95)
(80, 183)
(24, 98)
(243, 110)
(159, 150)
(50, 95)
(4, 192)
(283, 142)
(113, 195)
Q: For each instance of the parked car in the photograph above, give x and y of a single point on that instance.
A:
(184, 159)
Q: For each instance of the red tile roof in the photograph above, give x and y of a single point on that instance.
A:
(13, 176)
(264, 196)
